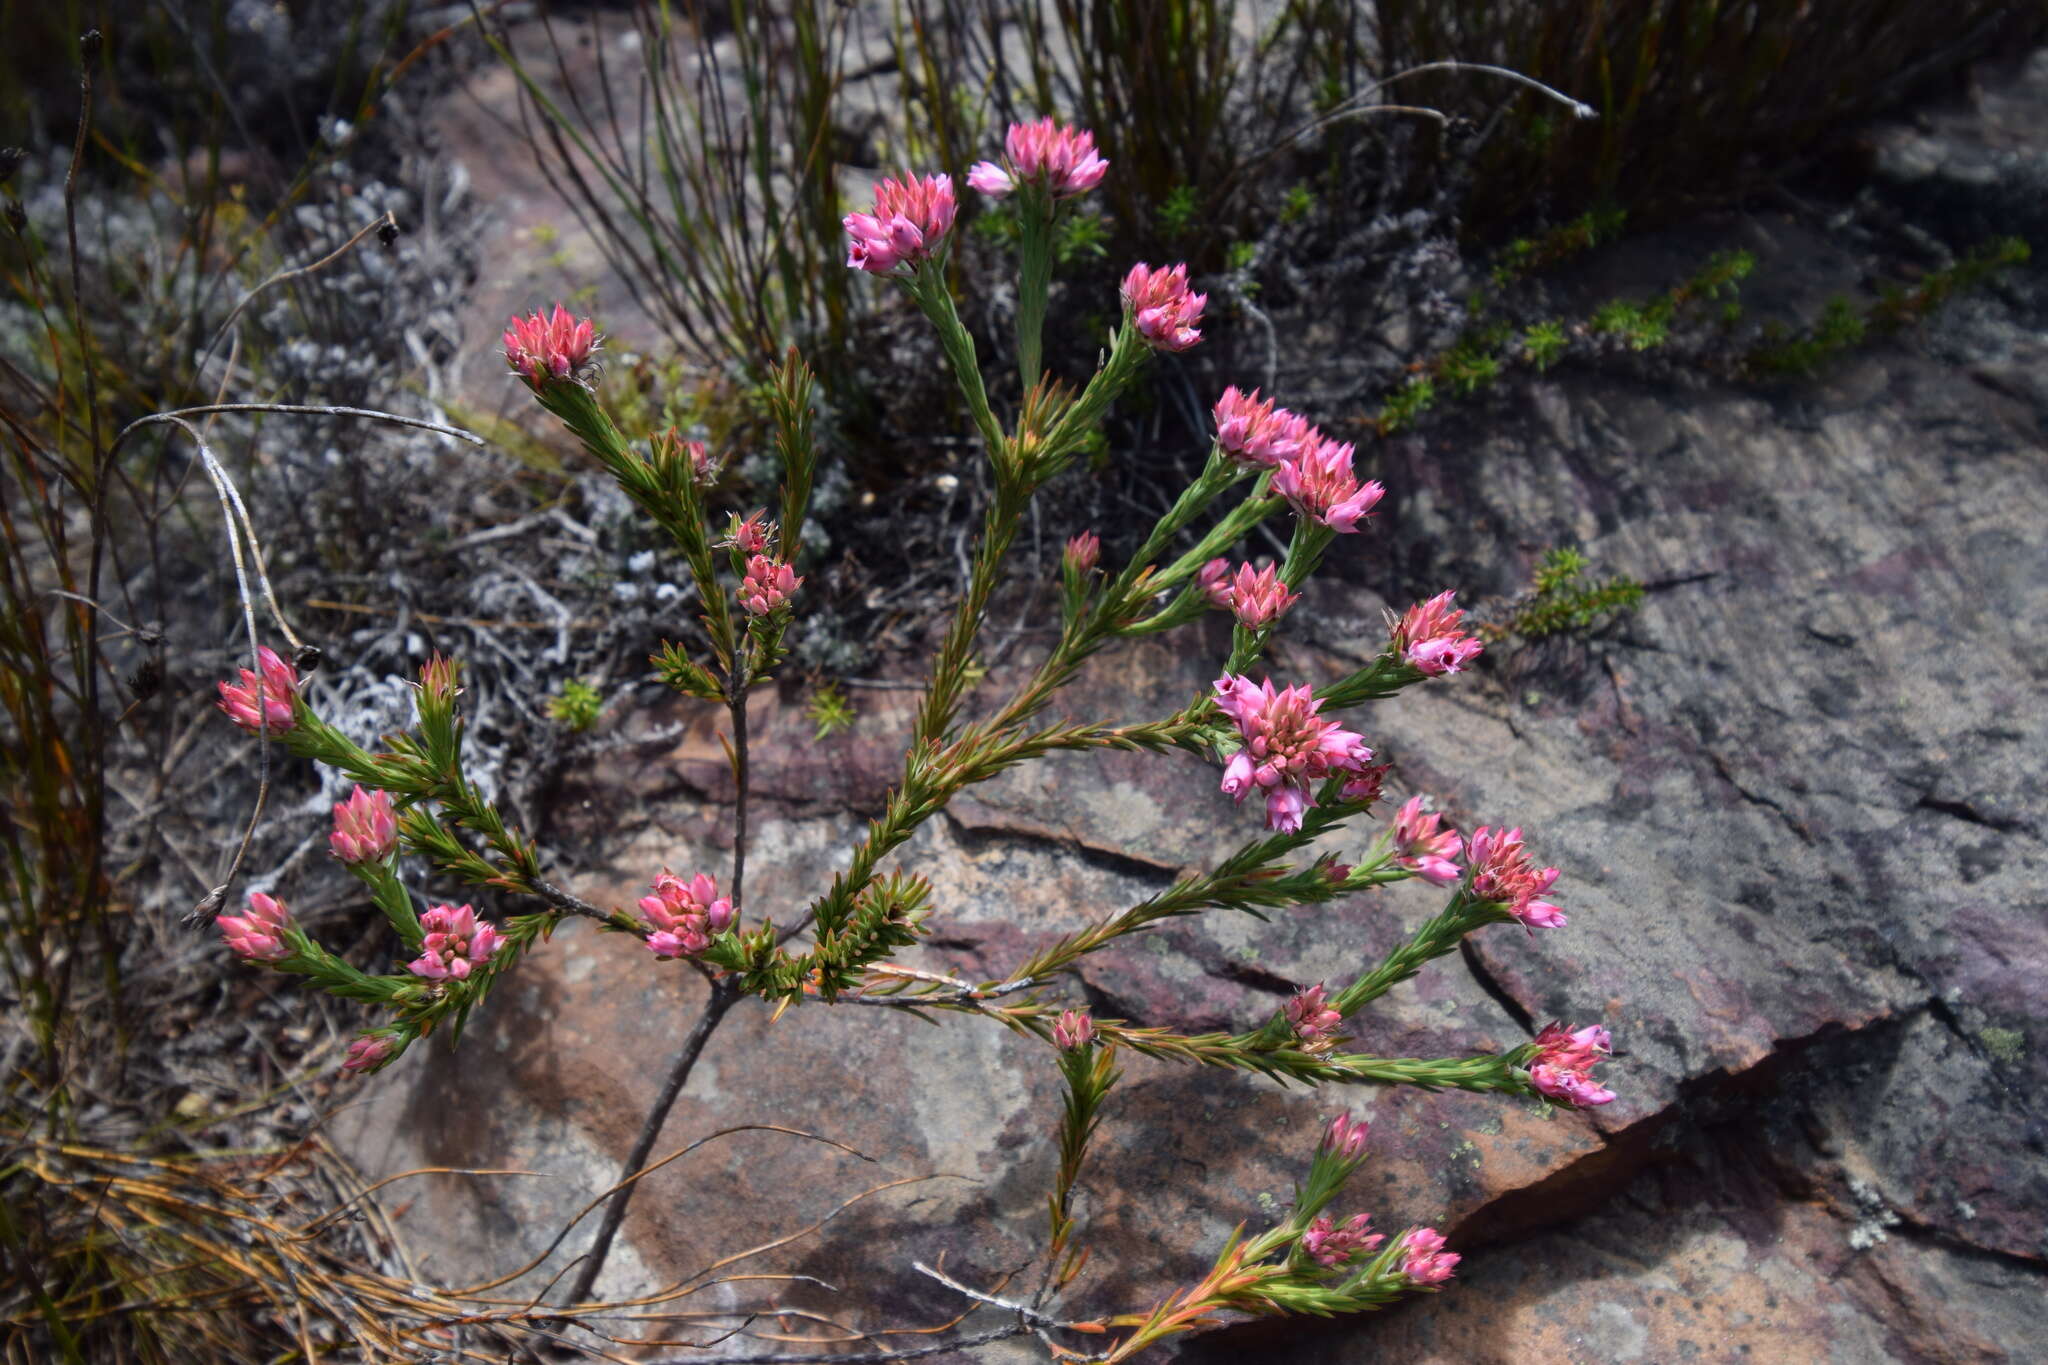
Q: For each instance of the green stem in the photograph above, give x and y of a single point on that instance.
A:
(1034, 282)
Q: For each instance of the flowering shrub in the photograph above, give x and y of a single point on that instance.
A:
(1287, 742)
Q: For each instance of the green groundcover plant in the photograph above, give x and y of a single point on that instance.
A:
(1285, 744)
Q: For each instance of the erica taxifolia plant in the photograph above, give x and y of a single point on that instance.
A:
(1288, 742)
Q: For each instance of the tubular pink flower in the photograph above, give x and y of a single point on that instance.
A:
(1345, 1137)
(1425, 1261)
(911, 219)
(751, 536)
(1320, 484)
(259, 935)
(1424, 849)
(1311, 1016)
(1212, 580)
(1367, 785)
(540, 347)
(456, 943)
(684, 916)
(1287, 749)
(1563, 1065)
(1162, 308)
(989, 178)
(1429, 636)
(280, 685)
(1502, 873)
(1256, 433)
(1073, 1030)
(365, 830)
(1330, 1246)
(768, 585)
(1084, 552)
(367, 1053)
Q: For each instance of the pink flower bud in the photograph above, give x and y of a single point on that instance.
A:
(1310, 1014)
(365, 830)
(1345, 1137)
(1366, 786)
(259, 935)
(279, 684)
(1162, 308)
(1502, 873)
(1212, 580)
(1083, 552)
(367, 1053)
(540, 348)
(437, 681)
(456, 943)
(1320, 484)
(1073, 1030)
(767, 585)
(1429, 638)
(909, 225)
(1425, 1261)
(751, 537)
(670, 447)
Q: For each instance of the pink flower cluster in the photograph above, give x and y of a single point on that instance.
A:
(365, 830)
(1162, 307)
(1563, 1067)
(540, 347)
(457, 943)
(1330, 1245)
(1060, 159)
(684, 915)
(911, 219)
(1084, 552)
(280, 684)
(1424, 1260)
(259, 935)
(1257, 597)
(1287, 749)
(1429, 637)
(1320, 484)
(1310, 470)
(1502, 872)
(1073, 1030)
(1424, 849)
(1310, 1015)
(1255, 433)
(768, 585)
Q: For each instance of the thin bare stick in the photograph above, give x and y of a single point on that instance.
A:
(303, 410)
(722, 998)
(1024, 1311)
(223, 489)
